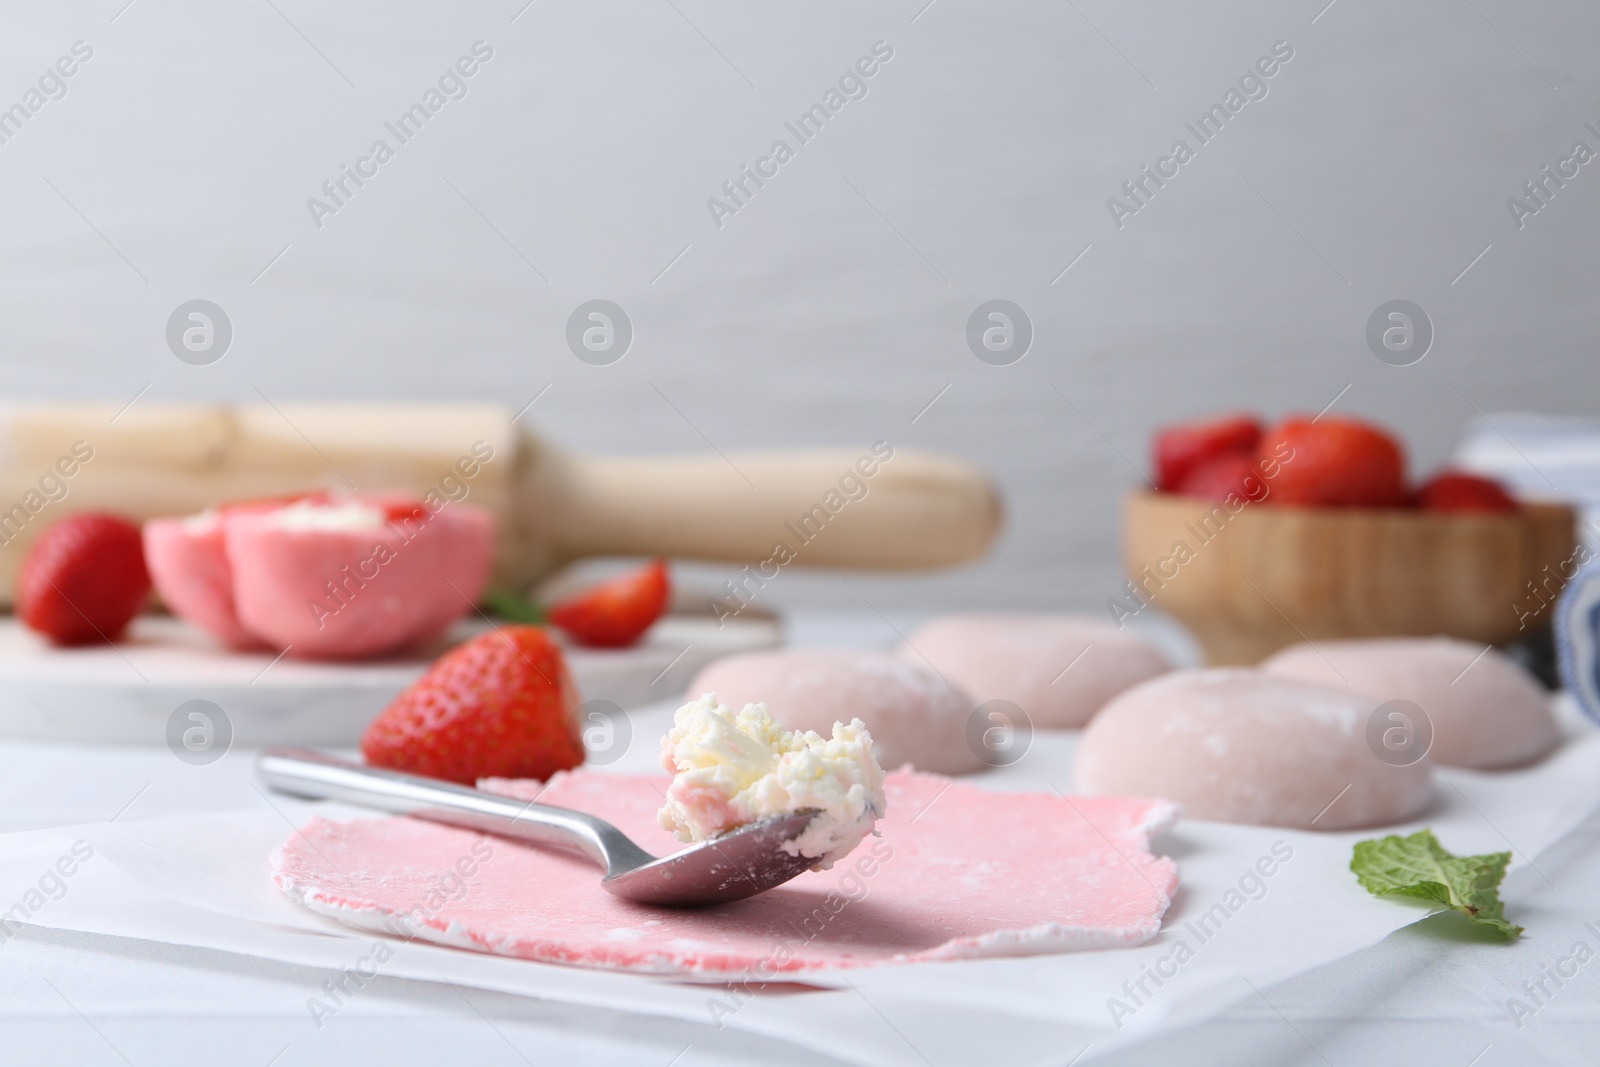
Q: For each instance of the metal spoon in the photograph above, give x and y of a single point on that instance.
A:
(739, 864)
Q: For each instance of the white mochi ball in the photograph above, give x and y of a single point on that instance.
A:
(914, 715)
(1240, 745)
(1060, 669)
(1485, 711)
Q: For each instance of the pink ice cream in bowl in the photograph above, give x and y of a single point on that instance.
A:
(324, 576)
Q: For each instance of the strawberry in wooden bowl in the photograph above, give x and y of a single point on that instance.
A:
(1311, 531)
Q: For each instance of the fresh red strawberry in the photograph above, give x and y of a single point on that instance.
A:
(1334, 462)
(84, 579)
(614, 613)
(1452, 490)
(1181, 448)
(1225, 476)
(500, 706)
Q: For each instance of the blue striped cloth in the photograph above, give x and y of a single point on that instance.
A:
(1578, 639)
(1554, 458)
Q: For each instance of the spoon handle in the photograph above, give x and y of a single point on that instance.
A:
(313, 775)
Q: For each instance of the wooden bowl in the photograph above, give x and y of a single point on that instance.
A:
(1250, 582)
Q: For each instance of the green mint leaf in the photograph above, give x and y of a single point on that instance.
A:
(1418, 866)
(511, 607)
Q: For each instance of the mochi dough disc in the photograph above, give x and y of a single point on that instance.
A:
(958, 873)
(914, 716)
(1243, 746)
(1486, 713)
(1021, 658)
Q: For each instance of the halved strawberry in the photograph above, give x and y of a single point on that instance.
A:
(84, 579)
(1334, 462)
(616, 612)
(1452, 490)
(1181, 448)
(499, 706)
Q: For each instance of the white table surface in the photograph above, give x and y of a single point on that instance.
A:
(1424, 995)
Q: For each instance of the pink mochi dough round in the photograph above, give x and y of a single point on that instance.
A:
(343, 593)
(1486, 711)
(1059, 669)
(188, 562)
(1243, 746)
(914, 716)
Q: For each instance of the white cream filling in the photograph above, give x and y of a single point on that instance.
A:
(202, 522)
(315, 515)
(734, 768)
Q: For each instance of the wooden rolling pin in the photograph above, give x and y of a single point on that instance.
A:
(874, 506)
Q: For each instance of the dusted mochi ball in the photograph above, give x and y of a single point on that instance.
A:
(732, 768)
(915, 716)
(1486, 712)
(1240, 745)
(1060, 669)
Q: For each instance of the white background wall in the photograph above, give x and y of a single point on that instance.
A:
(832, 308)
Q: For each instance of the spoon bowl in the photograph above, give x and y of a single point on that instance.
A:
(735, 865)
